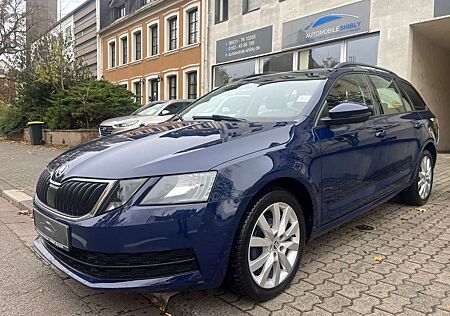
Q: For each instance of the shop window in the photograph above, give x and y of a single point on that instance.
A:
(231, 72)
(363, 50)
(389, 96)
(251, 5)
(326, 56)
(277, 63)
(172, 82)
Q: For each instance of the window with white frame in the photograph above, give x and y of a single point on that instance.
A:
(192, 27)
(137, 45)
(112, 53)
(153, 88)
(192, 85)
(119, 12)
(172, 86)
(172, 33)
(123, 49)
(137, 90)
(153, 39)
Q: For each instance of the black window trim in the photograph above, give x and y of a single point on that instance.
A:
(401, 80)
(325, 94)
(394, 79)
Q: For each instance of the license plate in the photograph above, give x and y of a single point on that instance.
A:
(51, 230)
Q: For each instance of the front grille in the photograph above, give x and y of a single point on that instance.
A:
(42, 186)
(118, 266)
(77, 198)
(106, 130)
(72, 198)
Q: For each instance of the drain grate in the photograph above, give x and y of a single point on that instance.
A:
(364, 227)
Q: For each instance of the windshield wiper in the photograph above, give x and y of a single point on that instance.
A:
(217, 117)
(178, 116)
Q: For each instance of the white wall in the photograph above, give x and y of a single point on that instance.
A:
(392, 18)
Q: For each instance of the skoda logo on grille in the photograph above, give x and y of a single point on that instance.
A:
(60, 170)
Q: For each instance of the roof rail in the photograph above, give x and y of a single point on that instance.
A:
(350, 64)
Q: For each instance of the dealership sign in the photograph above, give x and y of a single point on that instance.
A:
(244, 45)
(339, 22)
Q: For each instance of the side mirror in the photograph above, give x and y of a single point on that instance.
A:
(347, 113)
(165, 112)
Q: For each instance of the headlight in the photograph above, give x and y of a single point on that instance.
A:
(126, 124)
(122, 192)
(184, 188)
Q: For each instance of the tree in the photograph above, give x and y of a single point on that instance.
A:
(13, 27)
(87, 104)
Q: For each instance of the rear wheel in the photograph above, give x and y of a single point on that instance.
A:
(268, 247)
(419, 192)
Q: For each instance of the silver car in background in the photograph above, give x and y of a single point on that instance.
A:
(152, 113)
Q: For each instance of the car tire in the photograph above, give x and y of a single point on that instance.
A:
(240, 278)
(413, 195)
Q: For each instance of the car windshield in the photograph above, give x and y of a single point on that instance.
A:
(149, 110)
(259, 100)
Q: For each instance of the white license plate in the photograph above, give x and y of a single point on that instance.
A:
(53, 231)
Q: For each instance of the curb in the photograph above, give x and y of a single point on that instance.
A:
(17, 197)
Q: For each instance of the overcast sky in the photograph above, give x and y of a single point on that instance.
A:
(66, 6)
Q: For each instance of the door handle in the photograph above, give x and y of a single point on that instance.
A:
(381, 134)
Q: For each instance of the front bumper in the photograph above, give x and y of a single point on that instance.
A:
(202, 228)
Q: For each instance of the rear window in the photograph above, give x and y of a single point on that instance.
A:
(416, 99)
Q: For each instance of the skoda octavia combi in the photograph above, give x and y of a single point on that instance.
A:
(233, 188)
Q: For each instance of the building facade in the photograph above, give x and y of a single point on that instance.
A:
(41, 16)
(153, 48)
(247, 37)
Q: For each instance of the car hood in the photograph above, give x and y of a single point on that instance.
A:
(169, 148)
(122, 119)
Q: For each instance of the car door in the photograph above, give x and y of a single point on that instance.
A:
(351, 154)
(402, 126)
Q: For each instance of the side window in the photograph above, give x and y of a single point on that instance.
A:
(391, 101)
(349, 88)
(416, 99)
(174, 108)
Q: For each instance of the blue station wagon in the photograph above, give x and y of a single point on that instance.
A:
(233, 187)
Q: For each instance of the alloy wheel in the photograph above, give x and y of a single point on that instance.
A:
(425, 177)
(274, 245)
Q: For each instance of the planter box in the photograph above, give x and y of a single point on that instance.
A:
(68, 137)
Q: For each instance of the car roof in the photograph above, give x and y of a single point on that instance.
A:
(319, 73)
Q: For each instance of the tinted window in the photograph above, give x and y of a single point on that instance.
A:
(174, 108)
(391, 101)
(231, 72)
(363, 50)
(418, 103)
(277, 63)
(350, 88)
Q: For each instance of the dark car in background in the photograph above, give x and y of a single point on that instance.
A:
(237, 185)
(152, 113)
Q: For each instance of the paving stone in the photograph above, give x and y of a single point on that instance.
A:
(380, 290)
(364, 304)
(393, 304)
(437, 290)
(353, 289)
(299, 288)
(305, 302)
(408, 289)
(424, 303)
(335, 303)
(278, 302)
(259, 311)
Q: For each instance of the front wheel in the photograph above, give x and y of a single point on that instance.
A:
(268, 247)
(420, 190)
